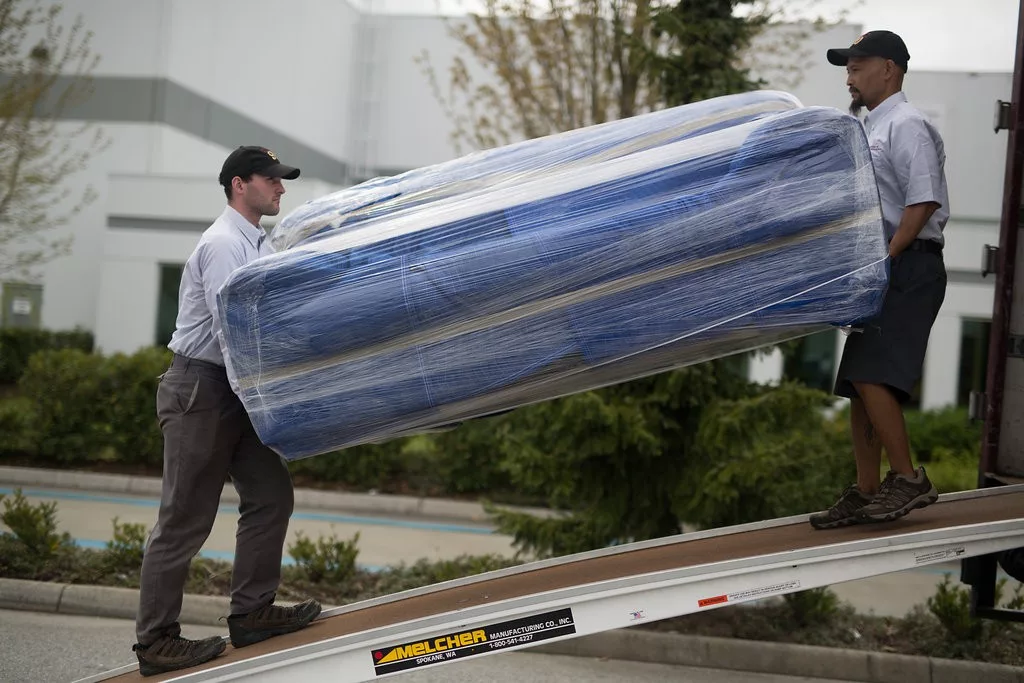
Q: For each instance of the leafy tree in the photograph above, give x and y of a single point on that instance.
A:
(704, 42)
(770, 454)
(614, 459)
(573, 63)
(532, 68)
(45, 65)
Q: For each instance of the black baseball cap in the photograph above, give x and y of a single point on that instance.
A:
(245, 161)
(884, 44)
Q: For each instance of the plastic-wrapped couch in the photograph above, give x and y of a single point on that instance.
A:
(554, 266)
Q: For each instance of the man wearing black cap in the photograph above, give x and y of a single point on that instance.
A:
(208, 436)
(882, 364)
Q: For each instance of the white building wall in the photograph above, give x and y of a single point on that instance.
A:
(288, 65)
(413, 129)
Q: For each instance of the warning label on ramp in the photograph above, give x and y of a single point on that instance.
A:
(939, 555)
(471, 642)
(751, 594)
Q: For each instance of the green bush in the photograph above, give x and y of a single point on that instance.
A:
(373, 466)
(945, 433)
(812, 607)
(67, 388)
(124, 551)
(130, 405)
(427, 572)
(766, 456)
(18, 345)
(964, 635)
(458, 461)
(17, 420)
(622, 460)
(951, 605)
(35, 526)
(327, 559)
(88, 407)
(945, 441)
(468, 458)
(954, 472)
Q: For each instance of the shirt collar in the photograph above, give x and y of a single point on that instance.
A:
(884, 108)
(255, 234)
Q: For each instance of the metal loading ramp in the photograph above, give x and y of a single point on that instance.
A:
(608, 589)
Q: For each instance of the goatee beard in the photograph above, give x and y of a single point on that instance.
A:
(855, 108)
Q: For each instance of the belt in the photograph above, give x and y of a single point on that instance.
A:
(927, 246)
(184, 362)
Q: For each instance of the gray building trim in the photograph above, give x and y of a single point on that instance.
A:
(139, 223)
(986, 220)
(968, 277)
(121, 99)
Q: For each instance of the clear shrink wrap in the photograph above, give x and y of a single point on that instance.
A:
(555, 266)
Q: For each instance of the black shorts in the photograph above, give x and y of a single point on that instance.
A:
(891, 348)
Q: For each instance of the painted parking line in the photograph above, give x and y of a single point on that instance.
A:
(301, 516)
(223, 555)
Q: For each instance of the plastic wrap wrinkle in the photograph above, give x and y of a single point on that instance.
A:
(554, 266)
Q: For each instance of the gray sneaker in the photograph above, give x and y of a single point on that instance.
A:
(170, 653)
(844, 512)
(898, 495)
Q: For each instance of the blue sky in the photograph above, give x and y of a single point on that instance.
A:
(946, 35)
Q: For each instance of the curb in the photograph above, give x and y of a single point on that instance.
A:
(783, 659)
(364, 503)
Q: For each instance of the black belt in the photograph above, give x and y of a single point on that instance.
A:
(927, 246)
(184, 362)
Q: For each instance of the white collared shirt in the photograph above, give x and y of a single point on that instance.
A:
(228, 244)
(909, 159)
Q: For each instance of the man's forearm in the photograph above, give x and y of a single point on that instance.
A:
(911, 224)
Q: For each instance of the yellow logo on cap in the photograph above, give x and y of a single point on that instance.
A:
(272, 155)
(859, 39)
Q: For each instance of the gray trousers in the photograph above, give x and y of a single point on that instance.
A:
(208, 436)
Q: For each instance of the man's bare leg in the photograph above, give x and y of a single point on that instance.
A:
(904, 488)
(867, 448)
(867, 452)
(886, 416)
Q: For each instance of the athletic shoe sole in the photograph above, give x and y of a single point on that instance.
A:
(149, 669)
(835, 524)
(258, 636)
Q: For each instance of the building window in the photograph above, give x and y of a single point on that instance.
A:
(811, 360)
(974, 336)
(167, 301)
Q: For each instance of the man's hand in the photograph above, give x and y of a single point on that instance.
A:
(912, 222)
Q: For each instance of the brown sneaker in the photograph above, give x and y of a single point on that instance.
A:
(897, 496)
(169, 653)
(270, 620)
(844, 512)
